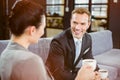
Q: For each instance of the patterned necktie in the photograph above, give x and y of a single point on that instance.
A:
(78, 48)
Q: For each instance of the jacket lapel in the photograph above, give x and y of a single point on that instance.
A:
(71, 45)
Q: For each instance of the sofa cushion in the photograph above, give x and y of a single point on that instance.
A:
(101, 41)
(41, 48)
(110, 58)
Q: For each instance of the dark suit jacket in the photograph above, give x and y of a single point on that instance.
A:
(62, 55)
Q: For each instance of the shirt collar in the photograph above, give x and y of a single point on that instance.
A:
(75, 39)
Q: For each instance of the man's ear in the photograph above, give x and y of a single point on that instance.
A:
(89, 23)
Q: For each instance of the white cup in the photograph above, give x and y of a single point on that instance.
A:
(103, 73)
(91, 62)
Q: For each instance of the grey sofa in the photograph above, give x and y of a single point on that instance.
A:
(107, 57)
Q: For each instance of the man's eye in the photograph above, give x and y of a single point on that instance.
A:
(75, 22)
(82, 23)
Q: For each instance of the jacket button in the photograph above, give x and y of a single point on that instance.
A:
(70, 70)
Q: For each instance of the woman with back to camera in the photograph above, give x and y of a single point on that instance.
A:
(26, 24)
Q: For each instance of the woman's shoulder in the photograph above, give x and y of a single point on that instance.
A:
(30, 69)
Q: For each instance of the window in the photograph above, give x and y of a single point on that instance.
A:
(99, 10)
(55, 13)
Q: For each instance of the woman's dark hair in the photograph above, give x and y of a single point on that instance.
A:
(25, 13)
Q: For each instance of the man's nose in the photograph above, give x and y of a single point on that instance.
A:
(77, 26)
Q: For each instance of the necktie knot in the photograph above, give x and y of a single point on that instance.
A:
(77, 43)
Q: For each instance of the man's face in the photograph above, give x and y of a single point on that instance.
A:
(79, 24)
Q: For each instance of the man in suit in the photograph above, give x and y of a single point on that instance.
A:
(63, 61)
